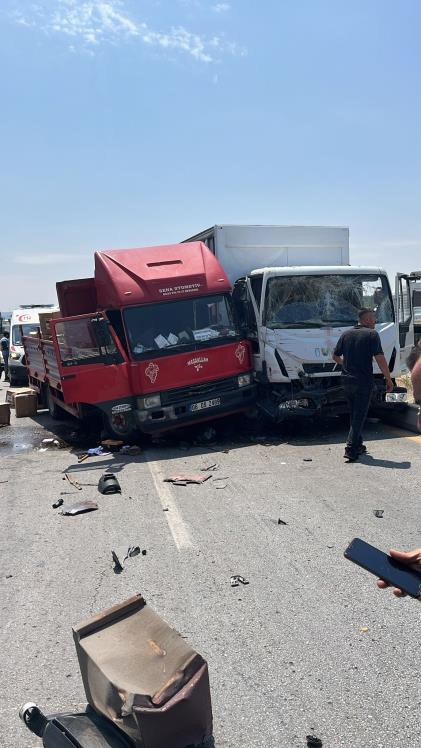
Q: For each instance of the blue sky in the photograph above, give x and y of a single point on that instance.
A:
(134, 122)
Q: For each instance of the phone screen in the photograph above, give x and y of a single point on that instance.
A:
(384, 567)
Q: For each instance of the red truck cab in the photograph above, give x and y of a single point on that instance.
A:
(150, 341)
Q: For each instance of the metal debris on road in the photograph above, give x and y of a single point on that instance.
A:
(307, 459)
(72, 481)
(236, 579)
(80, 507)
(282, 522)
(57, 503)
(183, 480)
(108, 484)
(210, 468)
(118, 568)
(82, 458)
(378, 513)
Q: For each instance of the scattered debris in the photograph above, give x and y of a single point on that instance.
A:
(307, 459)
(132, 450)
(108, 484)
(210, 468)
(83, 457)
(112, 444)
(220, 486)
(9, 576)
(118, 568)
(282, 522)
(57, 503)
(313, 742)
(165, 509)
(183, 480)
(97, 452)
(236, 579)
(364, 629)
(378, 513)
(134, 550)
(72, 481)
(51, 442)
(79, 508)
(330, 545)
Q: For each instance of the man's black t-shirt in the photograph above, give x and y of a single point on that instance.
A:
(358, 346)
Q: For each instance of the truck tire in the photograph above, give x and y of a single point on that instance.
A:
(54, 410)
(120, 426)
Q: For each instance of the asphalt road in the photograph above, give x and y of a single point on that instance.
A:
(287, 654)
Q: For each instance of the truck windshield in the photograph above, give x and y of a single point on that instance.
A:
(174, 325)
(325, 300)
(30, 329)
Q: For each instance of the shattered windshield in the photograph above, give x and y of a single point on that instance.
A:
(175, 325)
(325, 300)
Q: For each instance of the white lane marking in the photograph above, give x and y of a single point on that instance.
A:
(175, 521)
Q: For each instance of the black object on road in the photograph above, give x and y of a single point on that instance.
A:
(108, 484)
(313, 741)
(378, 513)
(57, 503)
(236, 579)
(282, 522)
(81, 507)
(118, 567)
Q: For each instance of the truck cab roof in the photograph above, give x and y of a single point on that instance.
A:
(320, 270)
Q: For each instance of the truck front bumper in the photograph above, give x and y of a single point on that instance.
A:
(182, 411)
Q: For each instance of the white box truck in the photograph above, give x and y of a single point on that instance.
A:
(295, 293)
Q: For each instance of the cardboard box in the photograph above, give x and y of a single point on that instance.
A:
(26, 405)
(44, 323)
(12, 392)
(4, 414)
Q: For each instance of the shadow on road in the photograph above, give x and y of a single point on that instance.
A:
(392, 464)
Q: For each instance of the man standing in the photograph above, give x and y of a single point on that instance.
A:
(354, 351)
(4, 347)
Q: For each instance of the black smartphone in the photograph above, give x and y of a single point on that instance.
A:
(384, 566)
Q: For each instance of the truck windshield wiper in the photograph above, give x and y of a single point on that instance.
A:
(295, 325)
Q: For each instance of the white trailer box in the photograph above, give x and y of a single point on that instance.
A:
(241, 249)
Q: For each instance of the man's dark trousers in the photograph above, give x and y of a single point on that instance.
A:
(358, 394)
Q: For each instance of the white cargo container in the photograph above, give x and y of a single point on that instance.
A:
(296, 293)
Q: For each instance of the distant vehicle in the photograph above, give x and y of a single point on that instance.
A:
(26, 318)
(295, 293)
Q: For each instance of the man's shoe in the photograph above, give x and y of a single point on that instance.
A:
(362, 450)
(350, 456)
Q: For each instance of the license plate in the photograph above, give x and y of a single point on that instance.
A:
(206, 404)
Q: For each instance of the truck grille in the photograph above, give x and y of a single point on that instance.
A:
(320, 368)
(198, 390)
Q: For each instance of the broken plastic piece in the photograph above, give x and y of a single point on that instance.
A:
(183, 480)
(108, 484)
(97, 452)
(364, 629)
(236, 579)
(282, 522)
(210, 468)
(79, 508)
(307, 459)
(57, 503)
(118, 568)
(378, 513)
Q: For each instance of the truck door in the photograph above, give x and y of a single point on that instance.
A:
(404, 315)
(91, 366)
(247, 310)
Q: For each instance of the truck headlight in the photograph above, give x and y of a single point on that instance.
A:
(244, 380)
(14, 355)
(396, 397)
(149, 401)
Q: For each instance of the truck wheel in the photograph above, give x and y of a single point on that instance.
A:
(54, 410)
(120, 425)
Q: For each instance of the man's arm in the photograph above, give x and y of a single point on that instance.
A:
(382, 364)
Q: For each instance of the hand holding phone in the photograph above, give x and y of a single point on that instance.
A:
(400, 570)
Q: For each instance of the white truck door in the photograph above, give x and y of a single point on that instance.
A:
(404, 316)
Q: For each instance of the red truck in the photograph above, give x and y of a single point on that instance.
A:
(150, 343)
